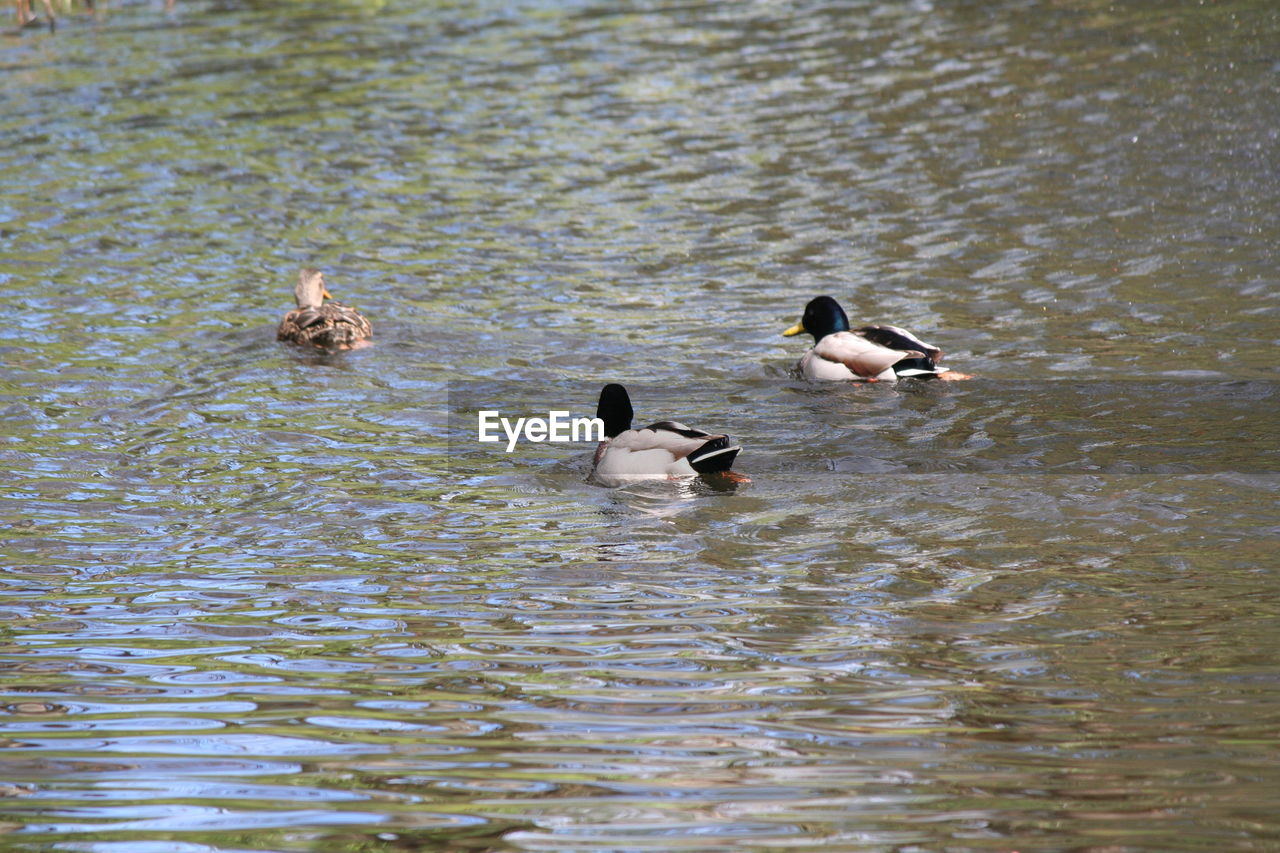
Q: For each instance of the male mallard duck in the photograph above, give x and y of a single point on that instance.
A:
(328, 325)
(870, 353)
(663, 450)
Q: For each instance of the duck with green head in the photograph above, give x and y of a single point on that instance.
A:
(870, 353)
(664, 450)
(325, 325)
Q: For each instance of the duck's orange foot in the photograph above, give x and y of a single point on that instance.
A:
(954, 376)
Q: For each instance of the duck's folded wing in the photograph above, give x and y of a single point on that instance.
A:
(343, 314)
(705, 452)
(668, 448)
(897, 338)
(299, 319)
(860, 355)
(305, 318)
(676, 439)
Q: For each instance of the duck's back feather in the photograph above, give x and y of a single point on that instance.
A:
(861, 358)
(330, 326)
(663, 449)
(897, 338)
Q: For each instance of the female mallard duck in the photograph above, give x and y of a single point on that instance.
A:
(870, 353)
(663, 450)
(328, 325)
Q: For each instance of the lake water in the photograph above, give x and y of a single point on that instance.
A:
(260, 599)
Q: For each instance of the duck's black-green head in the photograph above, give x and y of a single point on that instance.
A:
(614, 409)
(822, 316)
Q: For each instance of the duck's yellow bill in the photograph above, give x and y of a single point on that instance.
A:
(324, 291)
(794, 330)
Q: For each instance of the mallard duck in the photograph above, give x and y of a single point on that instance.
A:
(870, 353)
(665, 449)
(328, 325)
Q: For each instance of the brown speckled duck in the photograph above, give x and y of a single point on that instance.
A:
(327, 325)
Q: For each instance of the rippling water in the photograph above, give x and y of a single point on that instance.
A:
(258, 599)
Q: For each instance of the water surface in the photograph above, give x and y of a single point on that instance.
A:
(258, 599)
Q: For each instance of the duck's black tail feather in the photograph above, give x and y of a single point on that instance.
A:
(922, 368)
(716, 455)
